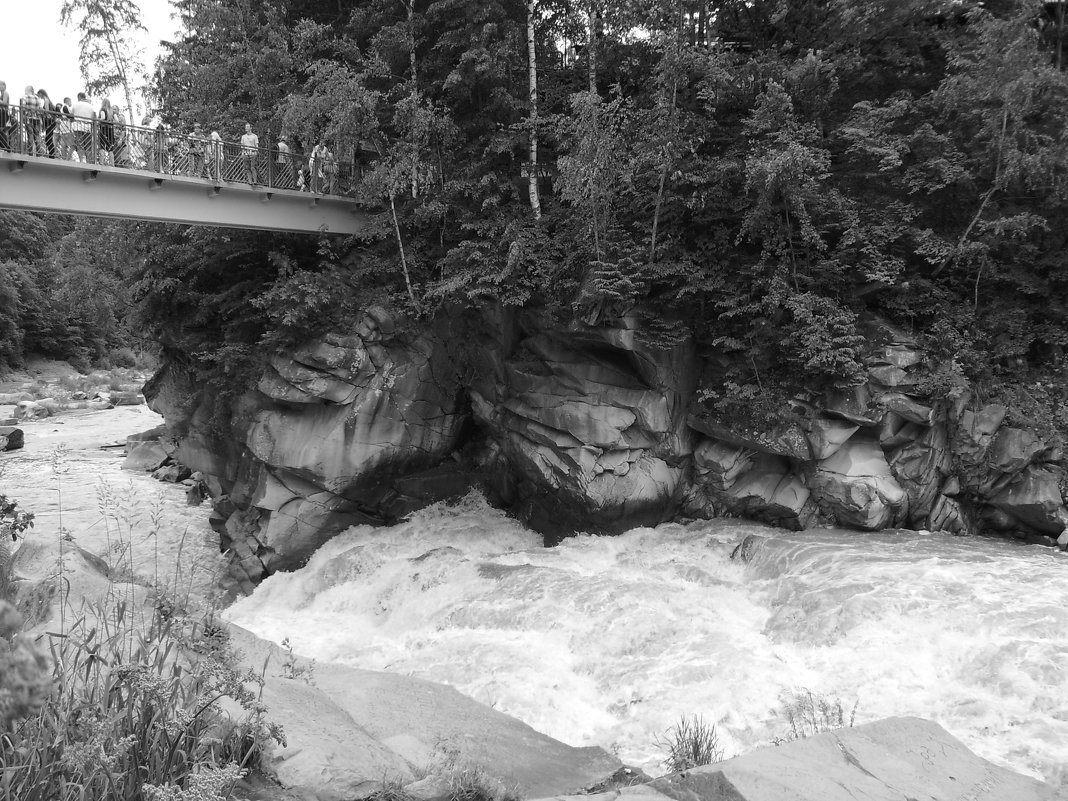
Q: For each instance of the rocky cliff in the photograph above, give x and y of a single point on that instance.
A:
(586, 430)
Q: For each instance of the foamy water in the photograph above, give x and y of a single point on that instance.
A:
(609, 640)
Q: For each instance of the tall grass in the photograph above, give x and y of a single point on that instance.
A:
(809, 713)
(134, 712)
(131, 708)
(690, 743)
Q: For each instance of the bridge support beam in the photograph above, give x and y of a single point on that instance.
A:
(65, 187)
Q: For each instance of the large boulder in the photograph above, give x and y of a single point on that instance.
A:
(322, 442)
(773, 492)
(349, 731)
(718, 464)
(896, 759)
(1035, 500)
(857, 487)
(11, 438)
(920, 467)
(590, 426)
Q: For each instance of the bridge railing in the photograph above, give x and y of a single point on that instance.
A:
(161, 150)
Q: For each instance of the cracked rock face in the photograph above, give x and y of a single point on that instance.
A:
(591, 427)
(583, 430)
(329, 437)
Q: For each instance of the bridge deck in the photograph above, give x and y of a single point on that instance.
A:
(36, 183)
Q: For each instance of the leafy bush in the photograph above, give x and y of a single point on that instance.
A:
(691, 743)
(24, 683)
(134, 713)
(809, 713)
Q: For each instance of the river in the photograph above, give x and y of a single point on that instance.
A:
(609, 640)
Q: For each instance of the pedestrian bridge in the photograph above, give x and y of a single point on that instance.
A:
(143, 173)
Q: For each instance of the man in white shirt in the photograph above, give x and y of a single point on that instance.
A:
(84, 115)
(250, 144)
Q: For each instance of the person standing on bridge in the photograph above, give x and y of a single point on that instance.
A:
(106, 127)
(64, 131)
(49, 122)
(122, 142)
(285, 173)
(315, 167)
(84, 125)
(250, 145)
(30, 111)
(5, 116)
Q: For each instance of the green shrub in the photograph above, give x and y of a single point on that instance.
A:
(133, 713)
(24, 679)
(809, 713)
(690, 743)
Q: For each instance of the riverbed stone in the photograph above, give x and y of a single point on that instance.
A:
(11, 438)
(145, 455)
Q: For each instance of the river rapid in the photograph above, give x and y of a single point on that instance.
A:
(609, 640)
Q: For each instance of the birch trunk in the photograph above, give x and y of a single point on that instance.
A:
(410, 6)
(532, 59)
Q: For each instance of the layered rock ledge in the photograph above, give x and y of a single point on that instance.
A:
(586, 430)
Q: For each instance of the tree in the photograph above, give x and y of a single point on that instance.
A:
(109, 57)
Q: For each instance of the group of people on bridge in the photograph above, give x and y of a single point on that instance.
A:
(36, 126)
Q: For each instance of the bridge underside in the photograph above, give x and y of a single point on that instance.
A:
(39, 184)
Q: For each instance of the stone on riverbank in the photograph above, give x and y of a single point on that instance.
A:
(896, 759)
(11, 438)
(350, 730)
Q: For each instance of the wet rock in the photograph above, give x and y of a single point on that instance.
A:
(772, 492)
(11, 438)
(747, 547)
(895, 759)
(171, 473)
(144, 456)
(948, 515)
(1035, 500)
(858, 489)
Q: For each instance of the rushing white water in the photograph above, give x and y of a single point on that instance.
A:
(609, 640)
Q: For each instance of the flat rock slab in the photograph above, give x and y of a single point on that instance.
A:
(896, 759)
(396, 727)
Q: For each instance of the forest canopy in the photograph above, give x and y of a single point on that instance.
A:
(766, 177)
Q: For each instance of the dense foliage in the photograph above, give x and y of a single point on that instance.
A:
(63, 291)
(767, 177)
